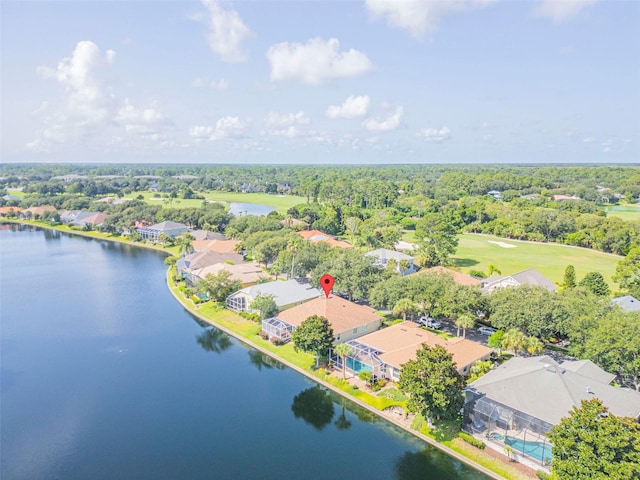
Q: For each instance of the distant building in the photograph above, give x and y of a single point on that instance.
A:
(318, 236)
(170, 229)
(627, 303)
(526, 277)
(564, 198)
(458, 277)
(495, 194)
(382, 256)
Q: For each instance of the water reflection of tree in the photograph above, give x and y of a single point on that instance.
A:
(260, 361)
(342, 422)
(214, 340)
(430, 463)
(51, 234)
(315, 406)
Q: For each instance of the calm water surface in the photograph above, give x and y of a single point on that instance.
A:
(241, 208)
(105, 376)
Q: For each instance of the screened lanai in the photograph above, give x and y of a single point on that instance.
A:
(363, 358)
(274, 327)
(507, 426)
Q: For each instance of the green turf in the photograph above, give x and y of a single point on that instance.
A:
(629, 213)
(15, 193)
(475, 252)
(281, 202)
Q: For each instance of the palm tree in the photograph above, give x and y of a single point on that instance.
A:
(404, 306)
(493, 269)
(404, 265)
(293, 245)
(343, 350)
(465, 321)
(184, 241)
(534, 346)
(514, 340)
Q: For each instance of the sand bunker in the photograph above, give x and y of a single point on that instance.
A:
(502, 244)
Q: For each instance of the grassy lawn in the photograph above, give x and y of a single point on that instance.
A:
(629, 213)
(477, 252)
(15, 193)
(281, 202)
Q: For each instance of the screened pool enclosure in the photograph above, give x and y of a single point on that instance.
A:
(507, 426)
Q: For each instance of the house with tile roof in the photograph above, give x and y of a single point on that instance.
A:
(286, 294)
(37, 211)
(627, 303)
(458, 277)
(206, 235)
(527, 277)
(196, 261)
(518, 402)
(347, 319)
(219, 246)
(384, 352)
(170, 229)
(318, 236)
(10, 211)
(247, 274)
(80, 218)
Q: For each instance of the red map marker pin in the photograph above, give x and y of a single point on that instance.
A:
(326, 282)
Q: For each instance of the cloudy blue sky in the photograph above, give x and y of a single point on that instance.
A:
(352, 81)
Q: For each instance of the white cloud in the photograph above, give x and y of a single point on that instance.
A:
(226, 32)
(390, 123)
(315, 62)
(226, 127)
(436, 135)
(416, 16)
(218, 85)
(560, 10)
(353, 107)
(140, 121)
(282, 120)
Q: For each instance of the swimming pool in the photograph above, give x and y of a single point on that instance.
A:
(537, 450)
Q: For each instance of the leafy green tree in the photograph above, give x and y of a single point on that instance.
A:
(465, 321)
(614, 345)
(495, 341)
(594, 281)
(343, 351)
(531, 309)
(514, 340)
(314, 335)
(266, 305)
(433, 384)
(593, 444)
(354, 273)
(403, 307)
(437, 240)
(569, 277)
(478, 369)
(628, 272)
(534, 346)
(219, 286)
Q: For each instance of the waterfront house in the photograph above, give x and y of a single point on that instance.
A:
(518, 402)
(381, 257)
(9, 211)
(247, 274)
(384, 352)
(170, 229)
(196, 261)
(347, 319)
(219, 246)
(286, 294)
(79, 218)
(200, 235)
(37, 212)
(526, 277)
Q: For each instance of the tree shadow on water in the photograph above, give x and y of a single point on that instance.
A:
(432, 464)
(315, 406)
(260, 361)
(214, 340)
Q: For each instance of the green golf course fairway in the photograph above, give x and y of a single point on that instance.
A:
(477, 252)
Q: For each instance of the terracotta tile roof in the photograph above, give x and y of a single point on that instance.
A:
(41, 209)
(246, 273)
(218, 246)
(458, 277)
(318, 236)
(401, 341)
(5, 210)
(342, 314)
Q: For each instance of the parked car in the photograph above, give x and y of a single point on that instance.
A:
(486, 331)
(429, 322)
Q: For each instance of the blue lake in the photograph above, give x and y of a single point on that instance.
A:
(241, 208)
(105, 376)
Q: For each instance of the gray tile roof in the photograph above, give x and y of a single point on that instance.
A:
(540, 387)
(284, 293)
(627, 303)
(386, 254)
(527, 277)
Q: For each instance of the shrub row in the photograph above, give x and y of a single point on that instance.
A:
(470, 439)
